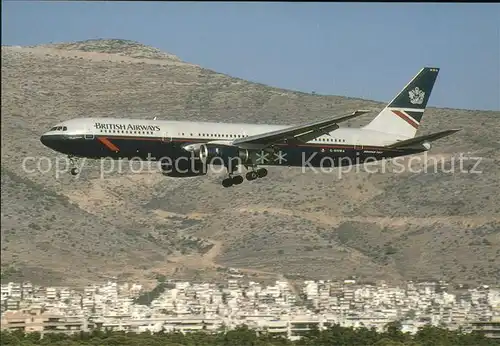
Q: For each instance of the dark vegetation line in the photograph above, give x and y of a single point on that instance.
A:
(243, 336)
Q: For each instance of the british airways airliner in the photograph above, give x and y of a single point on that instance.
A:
(185, 149)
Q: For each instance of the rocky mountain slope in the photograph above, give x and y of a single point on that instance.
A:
(392, 226)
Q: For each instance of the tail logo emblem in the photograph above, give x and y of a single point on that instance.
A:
(416, 96)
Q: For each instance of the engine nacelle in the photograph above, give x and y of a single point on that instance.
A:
(183, 168)
(193, 148)
(208, 152)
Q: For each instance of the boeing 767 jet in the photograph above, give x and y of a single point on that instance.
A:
(186, 149)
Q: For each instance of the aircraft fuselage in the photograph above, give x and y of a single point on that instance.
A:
(152, 140)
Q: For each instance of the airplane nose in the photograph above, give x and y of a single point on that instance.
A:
(50, 141)
(45, 140)
(55, 142)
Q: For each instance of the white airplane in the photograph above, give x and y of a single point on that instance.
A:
(186, 149)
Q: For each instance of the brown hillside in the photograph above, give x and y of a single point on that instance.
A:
(373, 225)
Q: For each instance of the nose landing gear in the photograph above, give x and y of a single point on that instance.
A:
(73, 161)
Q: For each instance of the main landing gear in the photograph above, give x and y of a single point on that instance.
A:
(252, 175)
(232, 180)
(238, 179)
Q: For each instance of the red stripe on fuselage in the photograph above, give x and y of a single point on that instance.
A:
(108, 144)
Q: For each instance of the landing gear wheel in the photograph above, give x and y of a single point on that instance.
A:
(227, 182)
(251, 176)
(237, 179)
(261, 172)
(73, 162)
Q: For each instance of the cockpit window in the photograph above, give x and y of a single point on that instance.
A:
(59, 128)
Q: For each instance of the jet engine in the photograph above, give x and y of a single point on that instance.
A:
(208, 152)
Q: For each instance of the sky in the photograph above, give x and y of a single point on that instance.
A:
(366, 50)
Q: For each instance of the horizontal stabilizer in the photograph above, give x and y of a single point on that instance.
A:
(422, 139)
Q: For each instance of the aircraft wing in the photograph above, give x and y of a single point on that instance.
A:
(422, 139)
(295, 134)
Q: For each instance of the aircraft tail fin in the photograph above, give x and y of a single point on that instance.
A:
(402, 116)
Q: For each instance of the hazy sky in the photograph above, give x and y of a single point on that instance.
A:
(350, 49)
